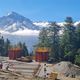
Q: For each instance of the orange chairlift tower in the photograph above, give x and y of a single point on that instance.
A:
(14, 53)
(41, 54)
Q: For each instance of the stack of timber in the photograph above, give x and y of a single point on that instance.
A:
(25, 69)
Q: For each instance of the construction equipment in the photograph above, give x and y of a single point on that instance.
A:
(24, 59)
(53, 76)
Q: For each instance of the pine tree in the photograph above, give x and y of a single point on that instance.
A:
(7, 46)
(78, 36)
(20, 45)
(49, 37)
(77, 56)
(68, 42)
(54, 37)
(2, 49)
(43, 38)
(24, 50)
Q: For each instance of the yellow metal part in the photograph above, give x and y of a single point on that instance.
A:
(42, 49)
(53, 75)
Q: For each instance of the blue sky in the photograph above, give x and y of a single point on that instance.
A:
(42, 10)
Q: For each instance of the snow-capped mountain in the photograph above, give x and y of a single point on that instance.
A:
(17, 28)
(15, 22)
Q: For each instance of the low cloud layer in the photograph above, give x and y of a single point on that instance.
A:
(22, 32)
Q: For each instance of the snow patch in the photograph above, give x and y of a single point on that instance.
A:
(76, 23)
(41, 24)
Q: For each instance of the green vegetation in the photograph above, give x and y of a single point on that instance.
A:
(6, 45)
(63, 47)
(77, 59)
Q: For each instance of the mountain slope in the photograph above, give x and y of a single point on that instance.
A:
(14, 22)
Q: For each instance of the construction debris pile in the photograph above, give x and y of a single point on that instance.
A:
(17, 70)
(67, 69)
(26, 69)
(9, 75)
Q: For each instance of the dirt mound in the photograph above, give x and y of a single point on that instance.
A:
(68, 69)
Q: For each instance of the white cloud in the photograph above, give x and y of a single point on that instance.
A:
(41, 24)
(76, 23)
(26, 32)
(22, 32)
(4, 32)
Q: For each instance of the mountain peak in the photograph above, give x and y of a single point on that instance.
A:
(16, 17)
(12, 13)
(14, 22)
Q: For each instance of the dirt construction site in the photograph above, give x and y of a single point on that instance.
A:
(16, 70)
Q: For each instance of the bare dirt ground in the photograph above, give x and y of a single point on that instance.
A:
(65, 71)
(66, 78)
(8, 75)
(61, 77)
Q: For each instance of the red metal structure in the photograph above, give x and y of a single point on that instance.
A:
(14, 53)
(41, 54)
